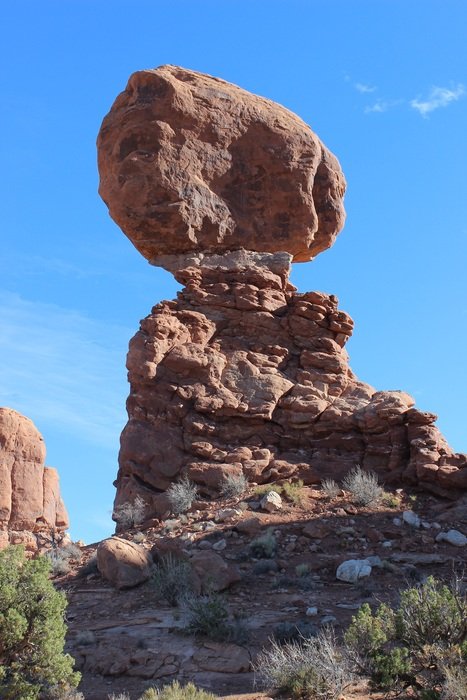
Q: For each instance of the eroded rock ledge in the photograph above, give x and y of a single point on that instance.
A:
(244, 374)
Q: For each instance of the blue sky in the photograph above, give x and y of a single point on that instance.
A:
(382, 82)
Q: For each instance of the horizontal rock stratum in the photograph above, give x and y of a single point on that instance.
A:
(189, 162)
(242, 374)
(31, 509)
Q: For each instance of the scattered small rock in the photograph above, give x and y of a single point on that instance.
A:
(453, 537)
(410, 518)
(352, 570)
(271, 501)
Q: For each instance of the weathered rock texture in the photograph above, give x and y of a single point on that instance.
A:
(189, 162)
(31, 510)
(241, 374)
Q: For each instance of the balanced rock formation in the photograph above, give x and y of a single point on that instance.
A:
(31, 509)
(189, 162)
(242, 374)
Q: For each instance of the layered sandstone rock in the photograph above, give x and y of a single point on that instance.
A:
(242, 374)
(31, 509)
(189, 162)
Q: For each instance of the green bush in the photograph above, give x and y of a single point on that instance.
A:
(419, 645)
(32, 631)
(293, 490)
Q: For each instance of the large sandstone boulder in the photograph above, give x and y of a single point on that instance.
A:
(31, 509)
(242, 374)
(124, 564)
(189, 162)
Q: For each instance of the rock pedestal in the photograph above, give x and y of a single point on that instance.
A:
(242, 374)
(31, 509)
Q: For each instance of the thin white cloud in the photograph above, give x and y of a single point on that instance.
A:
(378, 107)
(365, 89)
(63, 369)
(438, 97)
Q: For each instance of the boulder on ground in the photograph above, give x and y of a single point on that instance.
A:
(124, 564)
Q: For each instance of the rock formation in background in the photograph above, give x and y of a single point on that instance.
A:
(242, 374)
(31, 509)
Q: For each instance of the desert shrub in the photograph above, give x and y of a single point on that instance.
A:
(90, 567)
(175, 691)
(265, 566)
(234, 485)
(59, 562)
(455, 683)
(32, 630)
(414, 645)
(363, 486)
(330, 488)
(313, 668)
(173, 579)
(294, 631)
(391, 500)
(302, 570)
(73, 551)
(128, 515)
(432, 614)
(293, 490)
(60, 558)
(208, 616)
(264, 546)
(263, 489)
(139, 537)
(181, 495)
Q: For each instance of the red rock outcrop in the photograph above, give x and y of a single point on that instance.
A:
(242, 374)
(31, 510)
(189, 162)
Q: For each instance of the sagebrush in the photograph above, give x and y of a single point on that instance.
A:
(181, 495)
(130, 514)
(363, 486)
(173, 579)
(313, 668)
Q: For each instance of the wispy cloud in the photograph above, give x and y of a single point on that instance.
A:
(365, 89)
(437, 98)
(381, 106)
(378, 106)
(63, 369)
